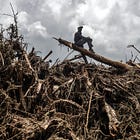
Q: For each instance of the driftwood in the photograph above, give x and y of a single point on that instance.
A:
(67, 101)
(75, 101)
(95, 56)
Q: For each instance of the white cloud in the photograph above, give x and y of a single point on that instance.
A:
(112, 24)
(23, 18)
(37, 29)
(55, 7)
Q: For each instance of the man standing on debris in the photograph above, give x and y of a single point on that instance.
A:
(80, 40)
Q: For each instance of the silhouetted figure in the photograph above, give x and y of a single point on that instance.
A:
(80, 40)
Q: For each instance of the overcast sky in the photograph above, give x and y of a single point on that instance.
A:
(112, 24)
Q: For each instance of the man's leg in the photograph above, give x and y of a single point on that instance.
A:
(89, 42)
(81, 42)
(85, 59)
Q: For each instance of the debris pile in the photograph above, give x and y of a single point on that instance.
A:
(67, 101)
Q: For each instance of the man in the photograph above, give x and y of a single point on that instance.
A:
(80, 40)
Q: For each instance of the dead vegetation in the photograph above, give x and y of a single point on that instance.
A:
(69, 100)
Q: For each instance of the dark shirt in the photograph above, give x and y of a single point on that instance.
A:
(77, 37)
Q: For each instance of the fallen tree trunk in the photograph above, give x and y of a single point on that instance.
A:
(95, 56)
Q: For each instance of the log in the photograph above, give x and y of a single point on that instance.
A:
(95, 56)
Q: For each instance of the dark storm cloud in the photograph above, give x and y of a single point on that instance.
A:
(113, 24)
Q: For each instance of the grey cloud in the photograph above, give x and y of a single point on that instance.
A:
(133, 7)
(112, 24)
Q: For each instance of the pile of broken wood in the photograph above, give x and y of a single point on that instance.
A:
(69, 100)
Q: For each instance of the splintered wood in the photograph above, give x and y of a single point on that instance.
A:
(67, 101)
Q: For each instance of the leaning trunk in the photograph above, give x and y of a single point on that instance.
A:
(95, 56)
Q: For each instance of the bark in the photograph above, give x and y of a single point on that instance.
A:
(95, 56)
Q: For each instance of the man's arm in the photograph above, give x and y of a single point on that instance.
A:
(77, 37)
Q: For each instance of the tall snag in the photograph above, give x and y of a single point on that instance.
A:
(95, 56)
